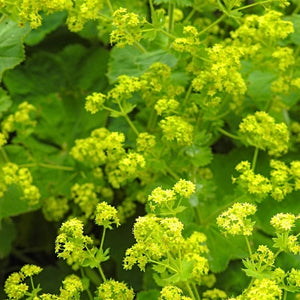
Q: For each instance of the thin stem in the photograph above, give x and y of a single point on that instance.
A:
(254, 160)
(172, 173)
(102, 238)
(284, 295)
(153, 15)
(190, 15)
(235, 137)
(248, 245)
(64, 168)
(162, 264)
(196, 291)
(168, 34)
(188, 94)
(87, 290)
(131, 124)
(171, 16)
(213, 24)
(252, 5)
(110, 6)
(5, 157)
(140, 47)
(101, 273)
(190, 290)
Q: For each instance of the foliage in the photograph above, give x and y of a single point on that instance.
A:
(149, 149)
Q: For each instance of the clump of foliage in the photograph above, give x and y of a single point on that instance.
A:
(149, 149)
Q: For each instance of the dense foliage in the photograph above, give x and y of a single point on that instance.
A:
(149, 149)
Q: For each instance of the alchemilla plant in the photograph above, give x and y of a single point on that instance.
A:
(149, 149)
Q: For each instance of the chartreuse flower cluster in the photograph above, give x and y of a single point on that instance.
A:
(159, 242)
(79, 12)
(169, 202)
(268, 281)
(236, 221)
(78, 249)
(112, 289)
(261, 131)
(13, 175)
(16, 287)
(283, 180)
(106, 148)
(22, 120)
(128, 28)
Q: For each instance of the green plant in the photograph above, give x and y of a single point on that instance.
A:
(177, 118)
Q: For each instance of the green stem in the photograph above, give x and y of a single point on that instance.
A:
(252, 5)
(152, 120)
(87, 290)
(248, 245)
(171, 16)
(102, 238)
(190, 15)
(188, 94)
(64, 168)
(284, 295)
(102, 274)
(153, 15)
(140, 47)
(235, 137)
(162, 264)
(5, 157)
(254, 160)
(128, 119)
(131, 124)
(196, 291)
(213, 24)
(168, 34)
(110, 6)
(190, 290)
(172, 173)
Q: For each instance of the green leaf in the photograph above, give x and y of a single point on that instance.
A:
(148, 295)
(130, 61)
(295, 36)
(200, 156)
(11, 44)
(5, 101)
(7, 235)
(259, 87)
(176, 2)
(50, 23)
(11, 203)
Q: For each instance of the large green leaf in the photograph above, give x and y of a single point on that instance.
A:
(148, 295)
(11, 44)
(7, 235)
(50, 23)
(130, 61)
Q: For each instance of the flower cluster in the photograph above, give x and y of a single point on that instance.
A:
(128, 28)
(235, 220)
(170, 292)
(261, 131)
(158, 239)
(94, 102)
(254, 184)
(71, 244)
(12, 174)
(166, 106)
(168, 202)
(214, 294)
(189, 42)
(14, 287)
(106, 215)
(222, 72)
(176, 128)
(112, 289)
(85, 196)
(145, 142)
(79, 12)
(260, 29)
(54, 208)
(106, 148)
(22, 120)
(284, 240)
